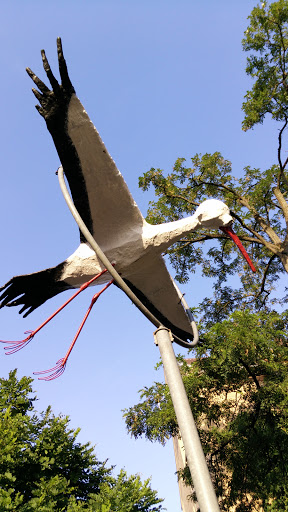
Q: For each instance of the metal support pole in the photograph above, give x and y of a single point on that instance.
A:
(205, 493)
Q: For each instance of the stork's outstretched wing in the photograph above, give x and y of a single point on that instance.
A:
(99, 191)
(31, 290)
(151, 282)
(104, 202)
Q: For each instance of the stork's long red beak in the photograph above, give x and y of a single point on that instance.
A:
(229, 231)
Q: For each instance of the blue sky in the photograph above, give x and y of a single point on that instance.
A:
(160, 80)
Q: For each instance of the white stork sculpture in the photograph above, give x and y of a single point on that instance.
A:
(104, 202)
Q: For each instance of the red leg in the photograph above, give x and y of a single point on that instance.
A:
(61, 364)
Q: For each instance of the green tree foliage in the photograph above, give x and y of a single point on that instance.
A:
(44, 468)
(245, 436)
(266, 39)
(258, 199)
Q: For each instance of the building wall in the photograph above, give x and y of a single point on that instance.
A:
(187, 504)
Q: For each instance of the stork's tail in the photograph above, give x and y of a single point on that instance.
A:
(32, 290)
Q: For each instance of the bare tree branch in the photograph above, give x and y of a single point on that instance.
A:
(282, 202)
(282, 167)
(219, 237)
(262, 288)
(250, 372)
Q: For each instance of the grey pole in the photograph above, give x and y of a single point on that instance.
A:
(205, 493)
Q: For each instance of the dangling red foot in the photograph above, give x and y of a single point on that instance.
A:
(14, 346)
(57, 371)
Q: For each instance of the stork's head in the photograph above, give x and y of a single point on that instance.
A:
(213, 214)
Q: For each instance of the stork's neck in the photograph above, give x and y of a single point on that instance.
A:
(211, 214)
(161, 236)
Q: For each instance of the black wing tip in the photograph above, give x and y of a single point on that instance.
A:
(31, 290)
(59, 45)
